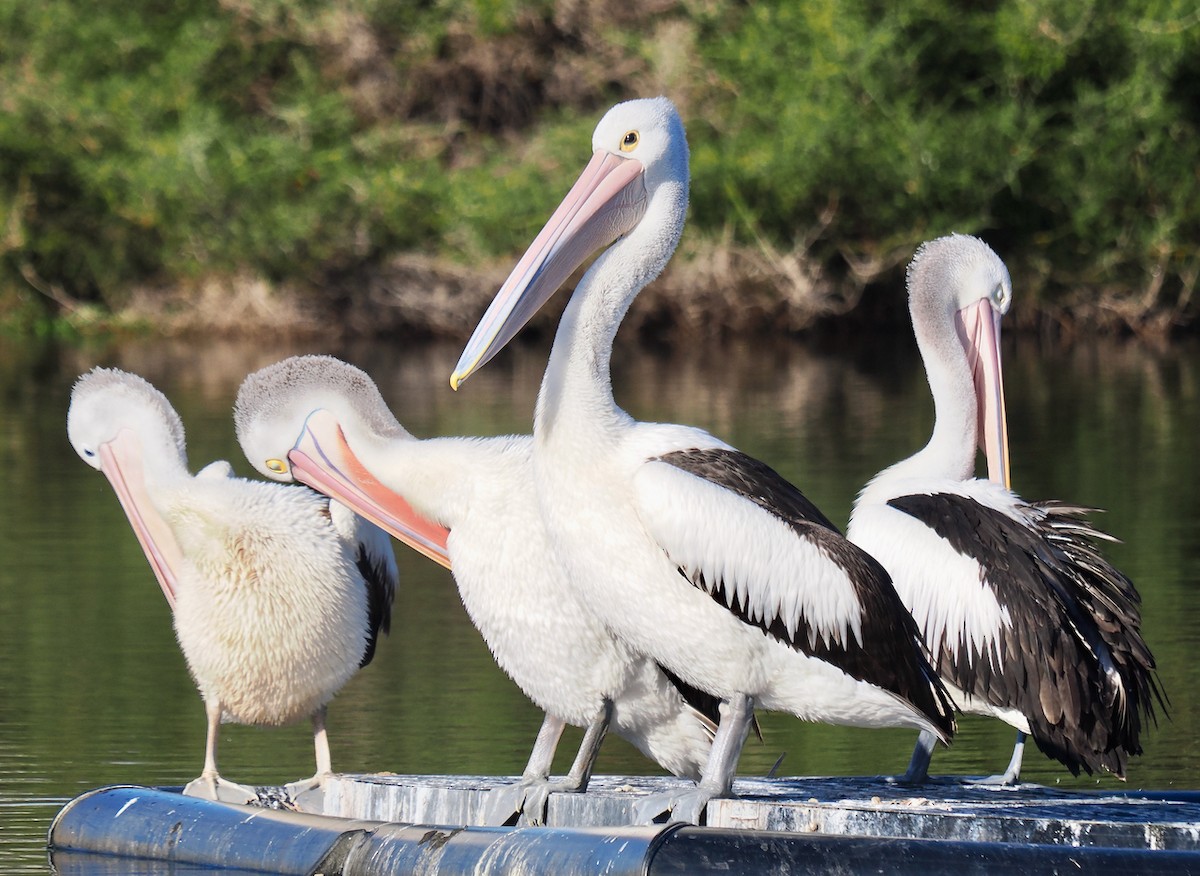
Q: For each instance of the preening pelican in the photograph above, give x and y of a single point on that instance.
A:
(469, 504)
(1024, 617)
(278, 594)
(690, 552)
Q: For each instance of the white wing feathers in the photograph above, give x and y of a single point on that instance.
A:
(766, 566)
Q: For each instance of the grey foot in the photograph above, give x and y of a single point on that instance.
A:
(1012, 773)
(1003, 780)
(213, 787)
(307, 795)
(686, 806)
(523, 803)
(908, 779)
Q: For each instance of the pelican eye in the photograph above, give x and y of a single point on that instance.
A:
(630, 141)
(276, 465)
(1000, 296)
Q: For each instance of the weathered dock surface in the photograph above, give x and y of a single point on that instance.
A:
(843, 806)
(386, 824)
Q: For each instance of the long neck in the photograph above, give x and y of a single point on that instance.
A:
(577, 388)
(578, 377)
(164, 467)
(950, 453)
(951, 448)
(433, 475)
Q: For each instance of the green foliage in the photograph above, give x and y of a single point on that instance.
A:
(1047, 126)
(144, 143)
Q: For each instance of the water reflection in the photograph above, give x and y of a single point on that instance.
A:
(93, 689)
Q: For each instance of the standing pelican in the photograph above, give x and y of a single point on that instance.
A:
(278, 594)
(1025, 619)
(690, 552)
(469, 504)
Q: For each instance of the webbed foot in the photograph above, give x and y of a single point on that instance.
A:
(524, 802)
(213, 787)
(687, 806)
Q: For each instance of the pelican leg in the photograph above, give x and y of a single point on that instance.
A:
(918, 765)
(209, 784)
(537, 796)
(526, 800)
(305, 787)
(1012, 773)
(504, 805)
(717, 781)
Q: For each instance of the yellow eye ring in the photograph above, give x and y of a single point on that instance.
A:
(630, 141)
(276, 465)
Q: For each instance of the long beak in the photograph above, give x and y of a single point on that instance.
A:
(121, 462)
(607, 200)
(323, 460)
(979, 326)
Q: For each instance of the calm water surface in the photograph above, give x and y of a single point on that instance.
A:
(94, 691)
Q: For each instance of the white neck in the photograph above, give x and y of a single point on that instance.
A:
(577, 389)
(433, 475)
(163, 468)
(950, 453)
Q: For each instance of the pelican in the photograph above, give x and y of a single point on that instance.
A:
(691, 553)
(469, 504)
(1024, 617)
(278, 595)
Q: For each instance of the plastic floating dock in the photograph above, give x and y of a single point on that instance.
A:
(385, 824)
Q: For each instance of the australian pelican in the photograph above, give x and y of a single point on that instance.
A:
(278, 594)
(690, 552)
(1024, 617)
(469, 504)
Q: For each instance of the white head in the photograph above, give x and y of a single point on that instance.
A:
(123, 427)
(292, 421)
(274, 404)
(951, 273)
(106, 401)
(958, 289)
(634, 190)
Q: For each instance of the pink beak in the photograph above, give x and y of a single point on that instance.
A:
(121, 462)
(607, 200)
(323, 460)
(979, 328)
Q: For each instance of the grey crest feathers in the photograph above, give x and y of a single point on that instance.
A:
(315, 381)
(948, 263)
(114, 385)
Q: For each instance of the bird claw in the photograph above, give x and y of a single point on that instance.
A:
(537, 798)
(523, 803)
(909, 779)
(503, 806)
(1001, 780)
(221, 790)
(307, 795)
(687, 806)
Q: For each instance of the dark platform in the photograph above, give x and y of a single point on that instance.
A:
(381, 824)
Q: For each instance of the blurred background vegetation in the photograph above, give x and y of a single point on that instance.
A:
(378, 164)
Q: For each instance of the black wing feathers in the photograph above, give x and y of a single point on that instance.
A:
(704, 703)
(1074, 661)
(381, 590)
(893, 656)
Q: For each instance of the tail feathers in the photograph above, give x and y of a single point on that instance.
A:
(1107, 707)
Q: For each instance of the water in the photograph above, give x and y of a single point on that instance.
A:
(94, 691)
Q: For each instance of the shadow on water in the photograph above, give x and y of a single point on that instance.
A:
(94, 691)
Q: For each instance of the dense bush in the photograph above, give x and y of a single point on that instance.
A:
(147, 144)
(1065, 132)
